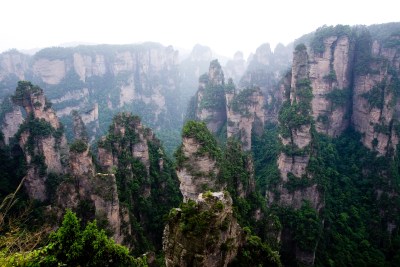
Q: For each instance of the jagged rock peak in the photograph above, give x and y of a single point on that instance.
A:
(126, 133)
(201, 53)
(215, 74)
(263, 54)
(203, 243)
(33, 100)
(79, 127)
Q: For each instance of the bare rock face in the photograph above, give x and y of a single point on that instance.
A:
(81, 164)
(13, 63)
(245, 113)
(330, 75)
(211, 99)
(375, 104)
(204, 243)
(104, 194)
(50, 71)
(198, 173)
(12, 120)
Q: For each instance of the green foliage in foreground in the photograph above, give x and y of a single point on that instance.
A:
(72, 246)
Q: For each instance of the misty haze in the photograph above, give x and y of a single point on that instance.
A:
(173, 133)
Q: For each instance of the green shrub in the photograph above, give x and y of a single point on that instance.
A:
(78, 146)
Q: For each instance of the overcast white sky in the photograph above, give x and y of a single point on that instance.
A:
(225, 26)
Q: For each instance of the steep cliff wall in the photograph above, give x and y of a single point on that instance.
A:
(296, 185)
(295, 119)
(330, 75)
(376, 91)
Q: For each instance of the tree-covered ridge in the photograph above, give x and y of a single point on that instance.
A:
(62, 53)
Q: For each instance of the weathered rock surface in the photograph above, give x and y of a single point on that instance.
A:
(245, 114)
(198, 173)
(12, 120)
(212, 242)
(375, 104)
(330, 73)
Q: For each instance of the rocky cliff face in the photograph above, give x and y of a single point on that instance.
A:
(297, 135)
(12, 119)
(197, 167)
(345, 78)
(354, 76)
(212, 241)
(245, 113)
(211, 98)
(92, 195)
(224, 109)
(41, 138)
(375, 97)
(330, 75)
